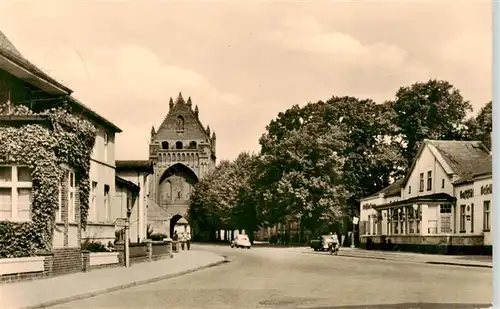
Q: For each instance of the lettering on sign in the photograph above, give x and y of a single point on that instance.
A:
(467, 194)
(487, 189)
(368, 206)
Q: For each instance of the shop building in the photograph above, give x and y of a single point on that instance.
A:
(442, 205)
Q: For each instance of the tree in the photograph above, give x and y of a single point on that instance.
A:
(369, 151)
(433, 110)
(300, 173)
(224, 199)
(480, 127)
(245, 212)
(209, 205)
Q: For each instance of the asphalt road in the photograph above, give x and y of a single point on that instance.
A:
(284, 278)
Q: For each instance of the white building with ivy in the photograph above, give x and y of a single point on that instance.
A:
(57, 170)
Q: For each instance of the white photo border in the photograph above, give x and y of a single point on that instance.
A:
(496, 150)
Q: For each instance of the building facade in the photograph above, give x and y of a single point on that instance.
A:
(443, 204)
(101, 223)
(134, 200)
(26, 93)
(182, 152)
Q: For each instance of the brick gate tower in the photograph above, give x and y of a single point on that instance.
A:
(182, 152)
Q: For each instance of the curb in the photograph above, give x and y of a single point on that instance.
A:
(461, 264)
(421, 262)
(368, 257)
(123, 286)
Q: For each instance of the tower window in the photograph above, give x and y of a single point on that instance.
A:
(178, 145)
(164, 145)
(180, 123)
(192, 145)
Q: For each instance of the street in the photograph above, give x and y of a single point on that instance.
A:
(292, 278)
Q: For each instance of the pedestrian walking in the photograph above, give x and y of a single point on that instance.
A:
(175, 238)
(188, 240)
(183, 241)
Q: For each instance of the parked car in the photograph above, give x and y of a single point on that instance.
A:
(322, 243)
(241, 241)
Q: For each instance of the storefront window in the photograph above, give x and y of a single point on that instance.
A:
(395, 221)
(445, 215)
(411, 220)
(402, 220)
(387, 215)
(472, 218)
(486, 224)
(462, 218)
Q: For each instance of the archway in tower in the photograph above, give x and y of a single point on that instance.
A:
(174, 221)
(175, 187)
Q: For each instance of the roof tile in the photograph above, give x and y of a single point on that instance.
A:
(466, 158)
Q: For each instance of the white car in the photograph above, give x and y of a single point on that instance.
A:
(241, 241)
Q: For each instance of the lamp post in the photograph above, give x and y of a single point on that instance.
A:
(127, 232)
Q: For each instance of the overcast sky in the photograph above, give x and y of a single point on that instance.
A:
(242, 62)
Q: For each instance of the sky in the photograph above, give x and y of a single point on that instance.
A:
(243, 62)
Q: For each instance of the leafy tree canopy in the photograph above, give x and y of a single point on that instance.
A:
(429, 110)
(480, 127)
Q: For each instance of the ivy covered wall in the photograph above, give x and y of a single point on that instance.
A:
(68, 141)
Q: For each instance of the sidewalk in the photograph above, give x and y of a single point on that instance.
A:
(57, 290)
(457, 260)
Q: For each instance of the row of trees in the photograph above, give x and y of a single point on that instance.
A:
(318, 160)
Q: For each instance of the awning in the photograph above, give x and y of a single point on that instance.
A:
(434, 198)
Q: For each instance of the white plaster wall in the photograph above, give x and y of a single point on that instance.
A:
(478, 201)
(119, 205)
(364, 213)
(98, 151)
(479, 208)
(427, 162)
(103, 175)
(72, 236)
(140, 207)
(21, 265)
(134, 223)
(488, 239)
(467, 203)
(58, 240)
